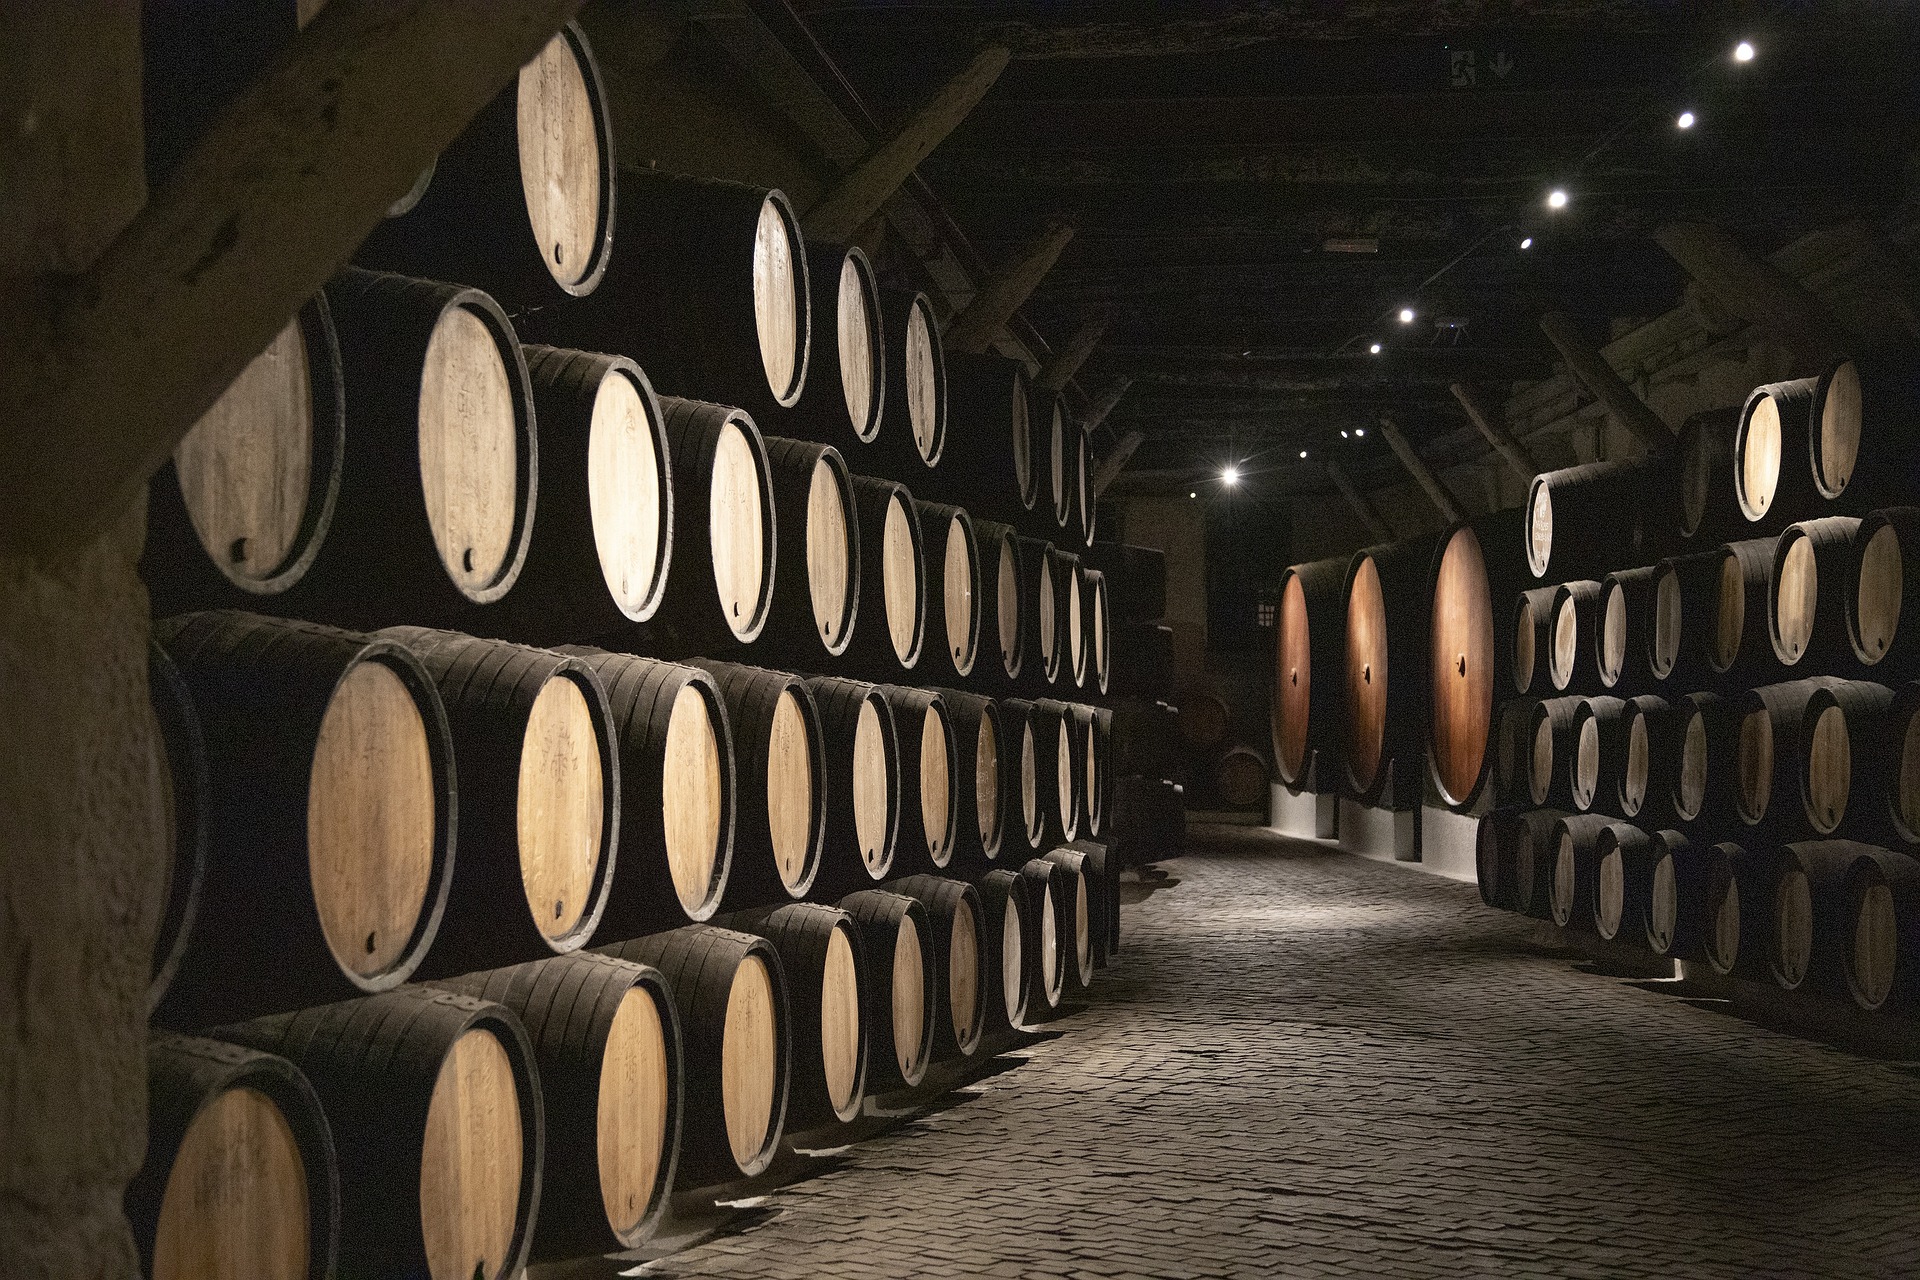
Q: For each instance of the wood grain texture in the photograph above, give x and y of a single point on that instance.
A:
(736, 537)
(626, 488)
(749, 1075)
(777, 257)
(830, 554)
(470, 1162)
(560, 159)
(857, 338)
(561, 807)
(1461, 668)
(632, 1112)
(469, 469)
(236, 1201)
(693, 799)
(841, 1040)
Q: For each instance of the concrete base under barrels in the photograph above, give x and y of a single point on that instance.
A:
(1431, 839)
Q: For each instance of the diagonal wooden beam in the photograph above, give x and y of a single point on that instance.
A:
(1493, 428)
(1757, 291)
(100, 378)
(1116, 462)
(977, 327)
(1066, 362)
(1417, 468)
(1097, 411)
(859, 195)
(1376, 527)
(1591, 370)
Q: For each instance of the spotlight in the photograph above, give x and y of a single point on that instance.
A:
(1303, 453)
(1360, 431)
(1406, 315)
(1343, 435)
(1685, 121)
(1527, 243)
(1374, 349)
(1230, 477)
(1556, 199)
(1743, 52)
(1193, 495)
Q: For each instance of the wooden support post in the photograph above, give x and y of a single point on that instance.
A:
(1487, 418)
(1376, 527)
(976, 328)
(1591, 370)
(100, 380)
(1114, 463)
(1097, 411)
(1417, 468)
(1066, 362)
(1757, 291)
(859, 195)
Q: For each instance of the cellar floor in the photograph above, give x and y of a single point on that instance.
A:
(1307, 1063)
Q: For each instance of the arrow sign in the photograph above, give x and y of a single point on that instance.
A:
(1501, 65)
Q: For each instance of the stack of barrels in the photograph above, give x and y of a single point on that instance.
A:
(610, 722)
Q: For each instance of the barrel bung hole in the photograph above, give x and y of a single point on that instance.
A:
(1460, 663)
(237, 553)
(1293, 676)
(1366, 673)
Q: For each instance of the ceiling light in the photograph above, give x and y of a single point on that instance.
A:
(1343, 435)
(1556, 199)
(1743, 52)
(1374, 349)
(1685, 121)
(1359, 431)
(1527, 243)
(1406, 315)
(1193, 495)
(1230, 477)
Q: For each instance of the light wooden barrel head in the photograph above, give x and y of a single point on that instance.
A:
(1563, 886)
(1795, 597)
(560, 159)
(1760, 459)
(1099, 628)
(1540, 530)
(1586, 763)
(561, 808)
(1876, 946)
(1523, 635)
(872, 797)
(693, 797)
(923, 382)
(1841, 424)
(630, 1119)
(1461, 667)
(1049, 949)
(1366, 674)
(1076, 641)
(1691, 794)
(1829, 768)
(963, 975)
(1723, 939)
(1906, 781)
(1012, 957)
(1082, 928)
(235, 1205)
(749, 1074)
(1030, 782)
(776, 300)
(1793, 927)
(1613, 635)
(936, 784)
(246, 467)
(1730, 617)
(957, 594)
(470, 1161)
(735, 525)
(1007, 603)
(899, 577)
(1047, 636)
(1540, 761)
(854, 326)
(1090, 770)
(1058, 449)
(1667, 613)
(469, 449)
(371, 809)
(986, 781)
(1566, 643)
(1663, 905)
(1877, 594)
(1063, 774)
(840, 1021)
(623, 492)
(829, 552)
(909, 998)
(1754, 758)
(1610, 894)
(789, 790)
(1633, 787)
(1022, 439)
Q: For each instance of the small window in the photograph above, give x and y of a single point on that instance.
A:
(1266, 613)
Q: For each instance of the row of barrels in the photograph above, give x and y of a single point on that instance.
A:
(549, 1109)
(351, 810)
(1834, 918)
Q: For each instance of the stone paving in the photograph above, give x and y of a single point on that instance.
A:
(1310, 1064)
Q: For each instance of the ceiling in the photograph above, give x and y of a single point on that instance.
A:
(1258, 188)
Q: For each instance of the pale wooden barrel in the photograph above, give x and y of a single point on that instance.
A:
(1585, 519)
(954, 594)
(1624, 634)
(1056, 770)
(1900, 781)
(1680, 899)
(816, 590)
(900, 985)
(1070, 617)
(1623, 883)
(539, 757)
(1861, 453)
(1574, 862)
(1048, 944)
(1881, 952)
(1840, 722)
(1599, 733)
(606, 1039)
(1738, 902)
(959, 943)
(929, 785)
(1532, 639)
(1771, 478)
(892, 629)
(1043, 608)
(1104, 859)
(435, 1107)
(1552, 750)
(1535, 846)
(1808, 943)
(1881, 610)
(1572, 664)
(1136, 578)
(186, 794)
(721, 591)
(1052, 419)
(1644, 762)
(1004, 905)
(1708, 506)
(1022, 774)
(1094, 736)
(915, 436)
(864, 783)
(334, 748)
(1806, 625)
(1720, 630)
(1669, 656)
(996, 472)
(844, 399)
(824, 955)
(1705, 746)
(1099, 625)
(1002, 602)
(984, 802)
(1079, 906)
(240, 1180)
(730, 990)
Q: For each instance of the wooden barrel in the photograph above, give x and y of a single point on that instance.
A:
(684, 819)
(1532, 639)
(929, 782)
(1093, 726)
(1673, 652)
(1460, 672)
(817, 577)
(1102, 868)
(844, 399)
(736, 1030)
(245, 503)
(1056, 775)
(1240, 779)
(1080, 910)
(606, 1039)
(1859, 447)
(1552, 751)
(1878, 604)
(721, 591)
(1809, 941)
(1770, 480)
(1099, 633)
(1738, 897)
(709, 292)
(1572, 661)
(1769, 764)
(1681, 897)
(1623, 883)
(1641, 774)
(1309, 640)
(1808, 626)
(1069, 613)
(1005, 903)
(1043, 605)
(864, 781)
(1493, 857)
(959, 943)
(1839, 720)
(1136, 578)
(1624, 647)
(1049, 941)
(893, 588)
(1021, 774)
(1002, 602)
(1535, 846)
(438, 478)
(900, 985)
(1900, 765)
(1599, 752)
(915, 437)
(980, 770)
(1709, 508)
(522, 203)
(1881, 955)
(954, 597)
(1049, 416)
(1572, 891)
(240, 1180)
(1587, 519)
(606, 482)
(1512, 752)
(1706, 729)
(1723, 602)
(186, 799)
(824, 956)
(991, 396)
(780, 764)
(434, 1102)
(539, 766)
(330, 815)
(1389, 611)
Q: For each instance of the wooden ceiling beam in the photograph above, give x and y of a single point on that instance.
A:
(1097, 411)
(1064, 363)
(1591, 370)
(1417, 468)
(1376, 527)
(980, 325)
(1757, 291)
(1491, 423)
(1114, 463)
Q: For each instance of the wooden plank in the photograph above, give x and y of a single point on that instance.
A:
(980, 325)
(1116, 462)
(1097, 412)
(1592, 371)
(1757, 291)
(1376, 527)
(1410, 459)
(1494, 430)
(1066, 362)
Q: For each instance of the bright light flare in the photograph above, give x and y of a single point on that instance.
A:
(1686, 120)
(1743, 52)
(1556, 199)
(1230, 477)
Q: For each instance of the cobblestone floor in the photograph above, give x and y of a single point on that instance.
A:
(1311, 1064)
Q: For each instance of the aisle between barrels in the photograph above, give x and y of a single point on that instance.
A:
(1307, 1063)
